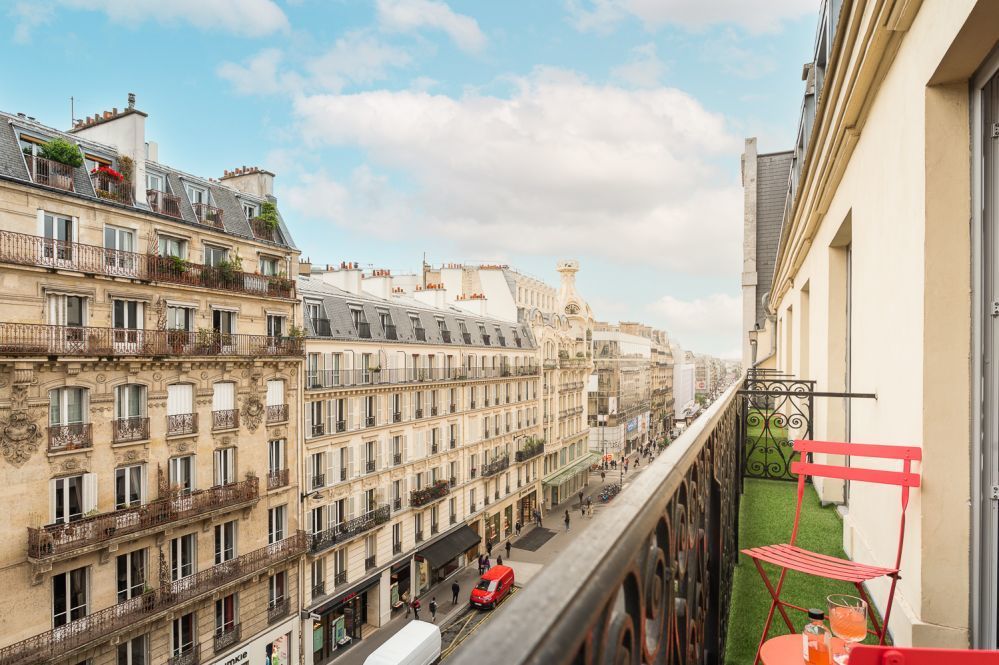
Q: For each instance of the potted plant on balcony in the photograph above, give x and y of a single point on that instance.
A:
(279, 284)
(62, 151)
(177, 340)
(268, 215)
(209, 341)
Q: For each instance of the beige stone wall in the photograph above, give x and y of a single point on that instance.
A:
(25, 382)
(894, 186)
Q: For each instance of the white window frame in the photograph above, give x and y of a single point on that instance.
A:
(183, 556)
(133, 474)
(226, 537)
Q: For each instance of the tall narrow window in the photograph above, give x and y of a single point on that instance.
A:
(131, 572)
(225, 542)
(182, 474)
(73, 497)
(129, 486)
(69, 596)
(134, 652)
(276, 524)
(183, 556)
(225, 466)
(182, 638)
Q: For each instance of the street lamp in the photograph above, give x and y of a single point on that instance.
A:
(754, 339)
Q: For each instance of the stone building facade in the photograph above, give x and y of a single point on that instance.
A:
(149, 374)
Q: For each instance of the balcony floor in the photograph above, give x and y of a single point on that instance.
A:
(821, 531)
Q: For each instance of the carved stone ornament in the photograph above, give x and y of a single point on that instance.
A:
(19, 435)
(253, 412)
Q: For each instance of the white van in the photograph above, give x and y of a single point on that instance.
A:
(418, 643)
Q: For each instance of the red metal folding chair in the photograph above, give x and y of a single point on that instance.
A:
(790, 557)
(864, 654)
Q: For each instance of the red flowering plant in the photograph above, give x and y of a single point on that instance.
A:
(109, 172)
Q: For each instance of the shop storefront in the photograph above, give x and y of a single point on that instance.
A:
(526, 507)
(508, 521)
(445, 556)
(340, 622)
(570, 480)
(278, 646)
(399, 595)
(492, 528)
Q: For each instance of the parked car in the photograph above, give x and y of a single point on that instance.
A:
(492, 588)
(416, 643)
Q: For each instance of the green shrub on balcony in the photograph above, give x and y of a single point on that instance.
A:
(268, 215)
(62, 151)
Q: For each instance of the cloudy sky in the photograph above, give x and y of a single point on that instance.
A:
(516, 132)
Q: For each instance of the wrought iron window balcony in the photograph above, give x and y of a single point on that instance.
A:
(396, 548)
(264, 231)
(50, 173)
(60, 541)
(189, 656)
(329, 379)
(496, 494)
(452, 481)
(318, 480)
(471, 473)
(471, 404)
(454, 518)
(397, 503)
(73, 436)
(497, 465)
(434, 528)
(369, 563)
(277, 413)
(182, 423)
(225, 419)
(129, 429)
(434, 448)
(369, 466)
(396, 459)
(318, 590)
(110, 188)
(343, 474)
(318, 429)
(421, 334)
(426, 495)
(339, 579)
(417, 413)
(454, 443)
(419, 536)
(208, 215)
(226, 636)
(529, 451)
(369, 421)
(163, 203)
(277, 479)
(344, 531)
(278, 609)
(397, 417)
(433, 411)
(30, 339)
(341, 426)
(453, 408)
(98, 627)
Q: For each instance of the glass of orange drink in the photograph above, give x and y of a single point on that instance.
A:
(847, 620)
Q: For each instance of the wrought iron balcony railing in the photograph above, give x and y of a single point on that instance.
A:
(226, 636)
(99, 626)
(340, 578)
(74, 436)
(30, 339)
(278, 609)
(529, 451)
(182, 423)
(263, 231)
(110, 188)
(59, 540)
(277, 479)
(422, 497)
(129, 429)
(655, 577)
(225, 419)
(277, 413)
(344, 531)
(189, 656)
(319, 589)
(30, 250)
(47, 172)
(369, 563)
(208, 215)
(331, 379)
(163, 203)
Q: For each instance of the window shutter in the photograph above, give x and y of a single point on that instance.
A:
(405, 448)
(52, 498)
(224, 398)
(380, 401)
(180, 399)
(330, 416)
(351, 508)
(419, 452)
(308, 420)
(89, 492)
(275, 392)
(404, 491)
(350, 461)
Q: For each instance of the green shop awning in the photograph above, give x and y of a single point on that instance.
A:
(563, 476)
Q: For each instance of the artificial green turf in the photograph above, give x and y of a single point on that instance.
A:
(766, 515)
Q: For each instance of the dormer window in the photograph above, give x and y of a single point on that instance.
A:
(251, 210)
(154, 182)
(95, 162)
(197, 194)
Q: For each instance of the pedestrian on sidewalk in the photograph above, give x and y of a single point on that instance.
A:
(567, 521)
(416, 608)
(518, 527)
(580, 499)
(455, 590)
(489, 548)
(499, 560)
(603, 476)
(582, 509)
(589, 505)
(508, 547)
(482, 568)
(433, 610)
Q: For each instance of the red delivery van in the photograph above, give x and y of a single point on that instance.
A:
(493, 587)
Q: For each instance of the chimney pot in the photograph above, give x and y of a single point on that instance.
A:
(131, 100)
(114, 110)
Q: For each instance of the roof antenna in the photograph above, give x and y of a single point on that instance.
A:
(72, 113)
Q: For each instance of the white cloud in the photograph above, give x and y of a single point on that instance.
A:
(249, 18)
(625, 175)
(756, 16)
(412, 15)
(710, 324)
(645, 70)
(741, 61)
(28, 16)
(357, 58)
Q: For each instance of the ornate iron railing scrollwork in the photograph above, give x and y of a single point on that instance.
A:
(775, 407)
(652, 581)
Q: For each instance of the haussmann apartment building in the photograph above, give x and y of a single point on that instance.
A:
(149, 377)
